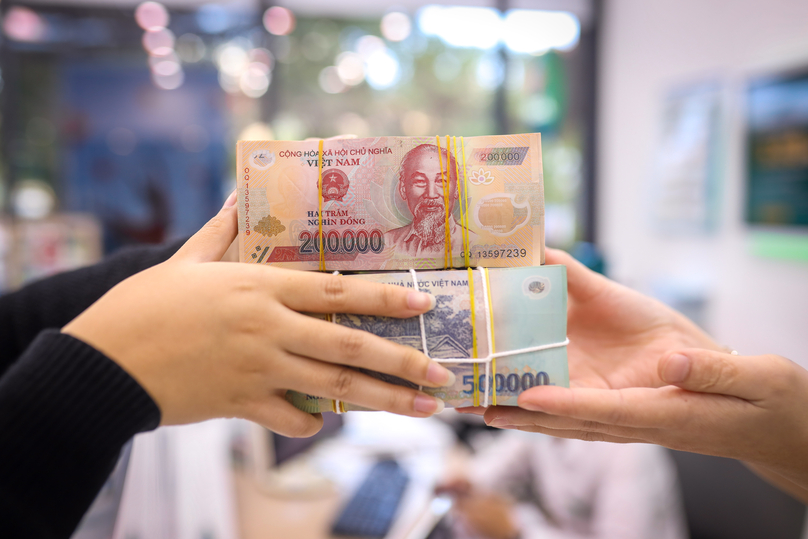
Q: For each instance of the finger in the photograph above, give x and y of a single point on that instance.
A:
(582, 435)
(475, 410)
(631, 407)
(707, 371)
(345, 384)
(322, 293)
(509, 417)
(582, 282)
(278, 415)
(356, 348)
(212, 241)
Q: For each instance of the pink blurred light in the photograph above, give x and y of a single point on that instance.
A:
(262, 56)
(279, 21)
(151, 16)
(396, 26)
(23, 24)
(166, 68)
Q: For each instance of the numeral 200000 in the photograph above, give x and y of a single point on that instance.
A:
(346, 242)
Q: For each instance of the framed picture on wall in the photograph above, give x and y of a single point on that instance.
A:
(777, 150)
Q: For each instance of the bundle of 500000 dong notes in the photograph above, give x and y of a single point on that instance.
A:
(501, 331)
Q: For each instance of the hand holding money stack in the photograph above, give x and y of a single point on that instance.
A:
(418, 203)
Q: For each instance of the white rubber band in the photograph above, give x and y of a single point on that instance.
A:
(420, 316)
(490, 331)
(488, 325)
(421, 321)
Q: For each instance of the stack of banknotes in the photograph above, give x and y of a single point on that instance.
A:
(529, 312)
(383, 206)
(433, 205)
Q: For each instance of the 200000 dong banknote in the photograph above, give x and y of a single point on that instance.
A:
(392, 203)
(526, 321)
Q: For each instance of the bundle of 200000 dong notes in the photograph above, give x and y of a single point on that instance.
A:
(392, 203)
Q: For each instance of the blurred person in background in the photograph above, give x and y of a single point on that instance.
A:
(539, 487)
(642, 372)
(171, 335)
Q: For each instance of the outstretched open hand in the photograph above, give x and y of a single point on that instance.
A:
(617, 335)
(641, 372)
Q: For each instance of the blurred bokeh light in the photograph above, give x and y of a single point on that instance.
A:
(151, 16)
(279, 21)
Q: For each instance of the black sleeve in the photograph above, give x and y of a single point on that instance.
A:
(55, 301)
(66, 410)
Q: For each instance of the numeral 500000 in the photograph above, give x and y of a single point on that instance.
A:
(513, 383)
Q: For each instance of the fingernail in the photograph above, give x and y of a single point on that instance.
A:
(499, 422)
(428, 405)
(438, 374)
(420, 301)
(231, 199)
(676, 369)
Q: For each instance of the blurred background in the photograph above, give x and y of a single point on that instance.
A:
(129, 113)
(675, 146)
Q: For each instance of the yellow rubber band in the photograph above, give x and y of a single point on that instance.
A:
(447, 187)
(475, 384)
(447, 245)
(493, 340)
(320, 200)
(465, 219)
(463, 229)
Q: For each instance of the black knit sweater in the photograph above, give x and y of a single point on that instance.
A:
(66, 409)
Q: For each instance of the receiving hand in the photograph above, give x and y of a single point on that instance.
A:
(215, 339)
(624, 349)
(754, 409)
(617, 335)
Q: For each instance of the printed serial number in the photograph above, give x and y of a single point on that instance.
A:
(500, 253)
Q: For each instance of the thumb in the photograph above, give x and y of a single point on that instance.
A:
(582, 282)
(708, 371)
(213, 239)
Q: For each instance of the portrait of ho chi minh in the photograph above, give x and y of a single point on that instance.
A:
(421, 185)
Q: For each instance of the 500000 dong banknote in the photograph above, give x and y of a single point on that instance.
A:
(529, 310)
(392, 203)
